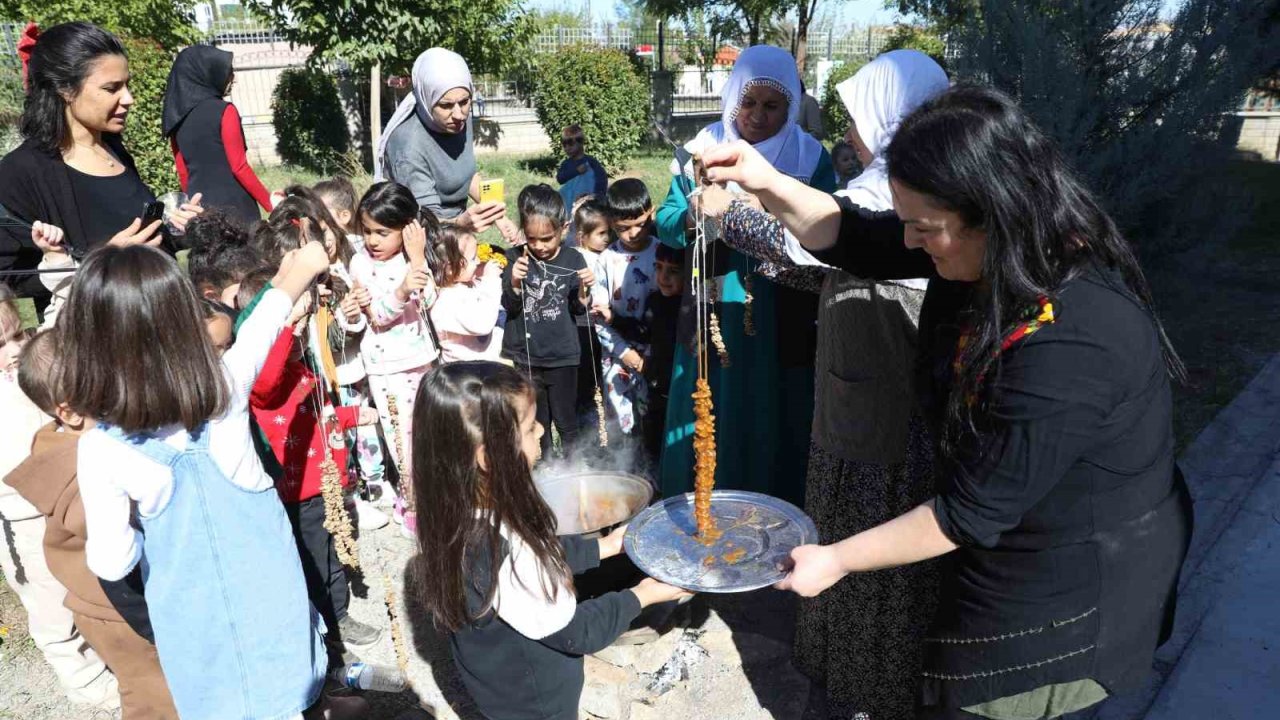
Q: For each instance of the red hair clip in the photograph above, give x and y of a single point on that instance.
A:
(27, 42)
(296, 223)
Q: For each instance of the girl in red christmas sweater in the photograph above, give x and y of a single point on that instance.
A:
(305, 435)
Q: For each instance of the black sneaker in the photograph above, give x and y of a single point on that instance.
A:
(354, 632)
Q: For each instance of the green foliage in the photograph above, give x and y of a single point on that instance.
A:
(835, 118)
(1137, 106)
(490, 34)
(942, 15)
(11, 99)
(912, 37)
(598, 89)
(167, 22)
(311, 131)
(148, 73)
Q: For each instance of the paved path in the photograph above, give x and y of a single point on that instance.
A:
(1223, 661)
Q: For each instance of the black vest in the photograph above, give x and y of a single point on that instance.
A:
(199, 139)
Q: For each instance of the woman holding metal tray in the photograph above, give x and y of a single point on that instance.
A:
(1045, 377)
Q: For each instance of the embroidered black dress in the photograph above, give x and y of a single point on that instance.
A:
(1072, 520)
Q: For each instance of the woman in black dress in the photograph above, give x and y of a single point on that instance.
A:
(72, 169)
(1044, 375)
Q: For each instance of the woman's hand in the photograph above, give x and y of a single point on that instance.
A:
(49, 238)
(136, 234)
(740, 163)
(611, 544)
(415, 243)
(652, 592)
(714, 200)
(186, 213)
(509, 231)
(481, 216)
(816, 568)
(368, 416)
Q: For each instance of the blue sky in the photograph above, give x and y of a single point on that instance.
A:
(861, 12)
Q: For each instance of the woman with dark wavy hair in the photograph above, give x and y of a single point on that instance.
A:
(73, 170)
(1045, 376)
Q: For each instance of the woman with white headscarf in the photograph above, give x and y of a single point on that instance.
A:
(427, 145)
(764, 394)
(870, 459)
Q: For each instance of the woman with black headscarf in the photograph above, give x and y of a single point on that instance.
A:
(205, 134)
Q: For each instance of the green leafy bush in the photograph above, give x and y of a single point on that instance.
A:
(11, 99)
(149, 65)
(912, 37)
(168, 22)
(835, 118)
(600, 90)
(311, 131)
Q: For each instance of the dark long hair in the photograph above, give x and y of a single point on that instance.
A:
(60, 61)
(973, 152)
(136, 353)
(393, 205)
(282, 231)
(461, 406)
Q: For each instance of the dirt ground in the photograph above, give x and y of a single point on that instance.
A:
(721, 656)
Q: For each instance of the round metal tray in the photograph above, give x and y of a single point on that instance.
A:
(758, 533)
(586, 502)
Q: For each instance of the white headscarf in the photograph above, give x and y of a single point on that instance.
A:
(435, 72)
(878, 97)
(791, 150)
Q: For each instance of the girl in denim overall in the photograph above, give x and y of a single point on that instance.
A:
(236, 635)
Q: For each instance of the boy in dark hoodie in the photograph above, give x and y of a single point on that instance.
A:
(47, 480)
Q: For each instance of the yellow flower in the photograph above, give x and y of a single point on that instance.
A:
(1046, 313)
(487, 253)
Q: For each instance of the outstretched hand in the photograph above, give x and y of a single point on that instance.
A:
(740, 163)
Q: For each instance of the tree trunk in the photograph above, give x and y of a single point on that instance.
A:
(804, 15)
(375, 111)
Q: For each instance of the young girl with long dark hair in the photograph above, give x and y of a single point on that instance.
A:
(495, 576)
(398, 348)
(236, 634)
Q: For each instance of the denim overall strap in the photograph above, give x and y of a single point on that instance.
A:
(146, 443)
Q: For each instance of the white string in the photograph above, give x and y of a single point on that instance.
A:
(524, 310)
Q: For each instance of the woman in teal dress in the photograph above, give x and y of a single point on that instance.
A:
(763, 394)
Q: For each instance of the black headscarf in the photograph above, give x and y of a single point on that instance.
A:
(199, 73)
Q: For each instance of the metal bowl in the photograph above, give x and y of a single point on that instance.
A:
(587, 502)
(757, 535)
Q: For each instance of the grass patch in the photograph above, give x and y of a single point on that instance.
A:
(516, 171)
(1219, 304)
